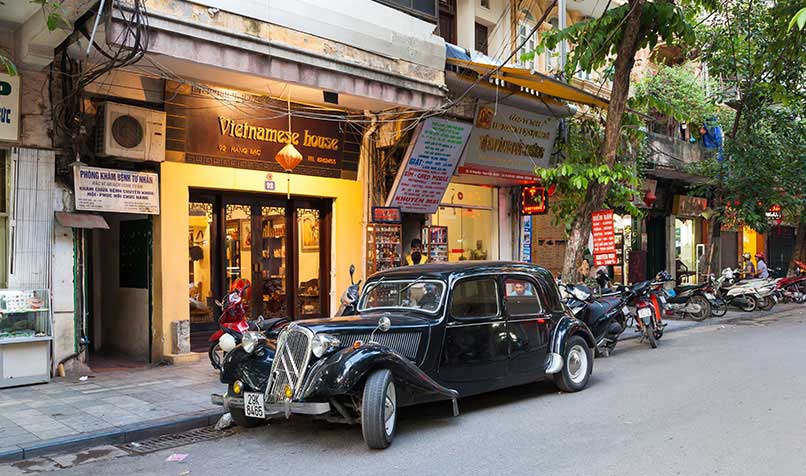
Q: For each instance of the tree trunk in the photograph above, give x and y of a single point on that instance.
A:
(799, 253)
(595, 197)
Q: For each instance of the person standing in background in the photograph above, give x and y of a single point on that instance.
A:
(416, 255)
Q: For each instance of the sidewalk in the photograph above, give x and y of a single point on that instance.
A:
(108, 408)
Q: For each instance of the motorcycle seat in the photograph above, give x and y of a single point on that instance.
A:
(688, 287)
(601, 307)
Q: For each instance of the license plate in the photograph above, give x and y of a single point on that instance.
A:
(644, 312)
(662, 299)
(253, 405)
(710, 296)
(625, 310)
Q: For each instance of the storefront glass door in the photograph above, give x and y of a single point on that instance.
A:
(237, 239)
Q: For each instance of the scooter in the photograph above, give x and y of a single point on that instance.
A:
(232, 324)
(688, 301)
(742, 295)
(606, 317)
(793, 288)
(349, 299)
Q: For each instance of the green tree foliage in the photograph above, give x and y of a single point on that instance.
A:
(762, 68)
(580, 168)
(674, 95)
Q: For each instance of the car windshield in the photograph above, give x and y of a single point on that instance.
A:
(414, 294)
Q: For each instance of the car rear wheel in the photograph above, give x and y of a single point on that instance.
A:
(577, 368)
(239, 417)
(379, 410)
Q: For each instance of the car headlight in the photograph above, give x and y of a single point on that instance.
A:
(250, 341)
(323, 343)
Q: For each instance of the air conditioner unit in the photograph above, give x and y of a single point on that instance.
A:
(132, 133)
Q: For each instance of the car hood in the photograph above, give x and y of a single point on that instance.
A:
(366, 322)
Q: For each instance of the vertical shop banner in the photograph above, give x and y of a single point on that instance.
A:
(604, 238)
(428, 166)
(122, 191)
(526, 239)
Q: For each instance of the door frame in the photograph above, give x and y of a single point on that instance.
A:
(221, 199)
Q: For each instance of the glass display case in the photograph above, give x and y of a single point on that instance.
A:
(25, 335)
(384, 247)
(435, 243)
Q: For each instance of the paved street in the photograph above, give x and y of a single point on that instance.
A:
(719, 399)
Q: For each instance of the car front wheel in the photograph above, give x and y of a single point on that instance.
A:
(379, 410)
(577, 368)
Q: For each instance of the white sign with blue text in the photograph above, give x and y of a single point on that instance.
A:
(9, 108)
(111, 190)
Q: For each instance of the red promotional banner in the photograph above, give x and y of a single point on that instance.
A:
(604, 238)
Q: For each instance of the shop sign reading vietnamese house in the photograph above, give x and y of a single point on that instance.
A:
(236, 129)
(509, 143)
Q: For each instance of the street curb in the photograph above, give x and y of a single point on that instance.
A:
(726, 319)
(112, 436)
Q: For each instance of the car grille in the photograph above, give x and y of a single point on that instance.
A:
(405, 343)
(290, 362)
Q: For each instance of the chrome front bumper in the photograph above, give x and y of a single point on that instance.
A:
(275, 409)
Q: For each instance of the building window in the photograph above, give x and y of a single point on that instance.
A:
(525, 27)
(447, 20)
(481, 38)
(552, 57)
(485, 3)
(421, 8)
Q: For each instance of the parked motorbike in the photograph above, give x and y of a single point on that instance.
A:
(743, 295)
(349, 299)
(232, 324)
(691, 301)
(649, 308)
(606, 317)
(793, 288)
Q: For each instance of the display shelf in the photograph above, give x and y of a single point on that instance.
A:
(435, 243)
(22, 311)
(384, 247)
(22, 340)
(25, 359)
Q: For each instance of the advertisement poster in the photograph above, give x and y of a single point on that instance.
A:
(429, 165)
(604, 241)
(122, 191)
(526, 239)
(508, 142)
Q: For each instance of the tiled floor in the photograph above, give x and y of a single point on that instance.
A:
(66, 407)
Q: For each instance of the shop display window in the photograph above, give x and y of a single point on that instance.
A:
(469, 215)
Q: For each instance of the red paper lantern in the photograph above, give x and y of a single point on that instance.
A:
(288, 157)
(649, 198)
(552, 189)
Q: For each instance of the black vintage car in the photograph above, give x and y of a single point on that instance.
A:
(422, 333)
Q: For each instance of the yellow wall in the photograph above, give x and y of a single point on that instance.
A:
(171, 231)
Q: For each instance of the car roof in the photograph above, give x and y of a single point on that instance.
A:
(463, 268)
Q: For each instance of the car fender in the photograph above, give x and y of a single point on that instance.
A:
(567, 327)
(343, 372)
(251, 369)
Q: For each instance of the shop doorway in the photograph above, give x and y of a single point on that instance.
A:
(119, 307)
(279, 247)
(685, 247)
(656, 244)
(729, 250)
(781, 245)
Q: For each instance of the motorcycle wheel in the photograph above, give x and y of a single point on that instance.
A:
(216, 355)
(705, 308)
(750, 304)
(719, 308)
(649, 333)
(765, 304)
(658, 331)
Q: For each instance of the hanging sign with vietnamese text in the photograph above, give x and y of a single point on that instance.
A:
(509, 142)
(386, 215)
(429, 164)
(775, 213)
(534, 200)
(121, 191)
(604, 238)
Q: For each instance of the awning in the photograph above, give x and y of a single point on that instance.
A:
(81, 220)
(534, 81)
